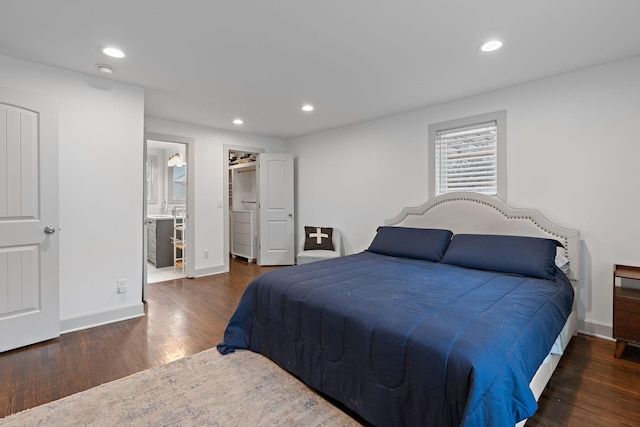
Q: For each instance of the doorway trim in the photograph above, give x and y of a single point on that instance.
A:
(225, 194)
(190, 149)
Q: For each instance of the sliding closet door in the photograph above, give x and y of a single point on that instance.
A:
(29, 256)
(275, 209)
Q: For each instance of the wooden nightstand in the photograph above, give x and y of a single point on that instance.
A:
(626, 307)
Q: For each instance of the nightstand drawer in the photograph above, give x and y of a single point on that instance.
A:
(626, 320)
(626, 306)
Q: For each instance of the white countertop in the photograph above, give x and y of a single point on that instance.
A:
(160, 217)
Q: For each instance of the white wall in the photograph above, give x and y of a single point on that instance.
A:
(572, 153)
(100, 148)
(210, 169)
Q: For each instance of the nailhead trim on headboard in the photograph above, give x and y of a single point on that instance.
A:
(563, 235)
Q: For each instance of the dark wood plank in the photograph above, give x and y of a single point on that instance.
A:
(589, 388)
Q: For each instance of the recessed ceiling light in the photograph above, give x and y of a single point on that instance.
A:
(114, 52)
(307, 108)
(237, 122)
(105, 69)
(490, 46)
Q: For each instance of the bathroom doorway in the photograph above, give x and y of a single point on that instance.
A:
(167, 173)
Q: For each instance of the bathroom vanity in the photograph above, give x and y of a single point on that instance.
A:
(159, 245)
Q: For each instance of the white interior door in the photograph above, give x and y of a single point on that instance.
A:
(275, 209)
(29, 256)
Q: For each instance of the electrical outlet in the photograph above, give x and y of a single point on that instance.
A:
(206, 253)
(219, 203)
(122, 285)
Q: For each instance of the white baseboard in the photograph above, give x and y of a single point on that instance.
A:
(104, 317)
(101, 318)
(595, 329)
(210, 270)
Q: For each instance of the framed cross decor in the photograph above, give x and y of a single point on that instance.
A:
(318, 238)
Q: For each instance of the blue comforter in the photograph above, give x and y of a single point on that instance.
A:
(406, 342)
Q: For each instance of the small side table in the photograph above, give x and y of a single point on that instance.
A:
(626, 308)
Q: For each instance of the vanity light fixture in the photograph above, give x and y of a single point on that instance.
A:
(105, 69)
(237, 122)
(307, 108)
(490, 46)
(113, 52)
(175, 160)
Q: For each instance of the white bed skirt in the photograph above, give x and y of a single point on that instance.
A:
(548, 366)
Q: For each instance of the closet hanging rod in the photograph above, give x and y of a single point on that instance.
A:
(246, 170)
(248, 201)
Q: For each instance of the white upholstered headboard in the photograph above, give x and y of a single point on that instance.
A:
(479, 214)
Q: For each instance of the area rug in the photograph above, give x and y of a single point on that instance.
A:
(205, 389)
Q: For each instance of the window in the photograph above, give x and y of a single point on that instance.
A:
(469, 155)
(177, 184)
(152, 179)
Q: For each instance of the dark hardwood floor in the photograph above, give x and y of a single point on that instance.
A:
(589, 388)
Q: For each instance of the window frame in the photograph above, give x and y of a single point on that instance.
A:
(500, 118)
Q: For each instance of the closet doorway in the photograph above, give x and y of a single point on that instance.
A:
(242, 236)
(234, 198)
(259, 213)
(168, 208)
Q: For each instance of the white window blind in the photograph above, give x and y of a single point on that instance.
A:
(466, 159)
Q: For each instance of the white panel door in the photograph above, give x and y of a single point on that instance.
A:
(29, 256)
(275, 209)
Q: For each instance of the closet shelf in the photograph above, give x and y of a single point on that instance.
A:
(242, 167)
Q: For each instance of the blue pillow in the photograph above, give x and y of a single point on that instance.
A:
(527, 256)
(416, 243)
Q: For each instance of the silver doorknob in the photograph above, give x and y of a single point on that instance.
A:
(49, 230)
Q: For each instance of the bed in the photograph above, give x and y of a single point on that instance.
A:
(456, 314)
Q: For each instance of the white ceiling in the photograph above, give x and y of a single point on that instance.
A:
(210, 61)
